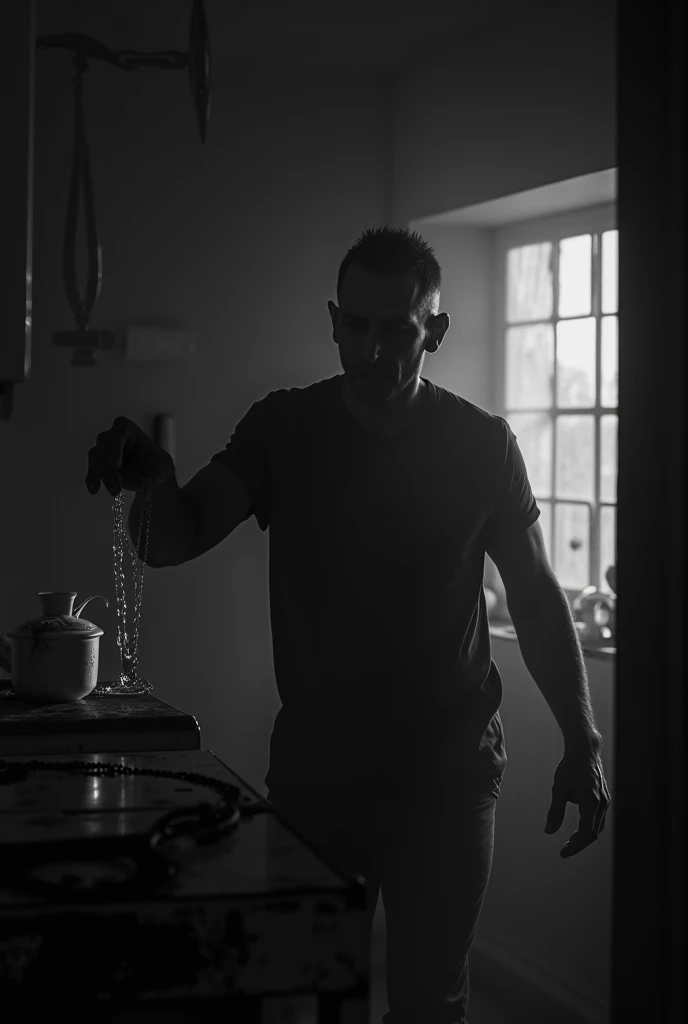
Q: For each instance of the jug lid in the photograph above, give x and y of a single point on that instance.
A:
(57, 621)
(56, 627)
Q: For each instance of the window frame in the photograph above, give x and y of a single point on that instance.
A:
(552, 228)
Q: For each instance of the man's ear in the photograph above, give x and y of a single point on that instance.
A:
(437, 329)
(334, 314)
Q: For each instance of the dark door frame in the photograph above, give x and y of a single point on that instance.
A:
(648, 942)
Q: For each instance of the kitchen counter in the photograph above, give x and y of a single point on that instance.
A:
(256, 913)
(94, 724)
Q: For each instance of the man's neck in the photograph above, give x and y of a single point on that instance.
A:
(384, 420)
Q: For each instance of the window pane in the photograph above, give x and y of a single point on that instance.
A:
(545, 522)
(610, 272)
(576, 363)
(529, 366)
(534, 434)
(609, 393)
(575, 276)
(607, 544)
(572, 545)
(608, 457)
(575, 455)
(529, 283)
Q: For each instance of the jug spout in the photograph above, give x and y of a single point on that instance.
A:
(61, 602)
(83, 604)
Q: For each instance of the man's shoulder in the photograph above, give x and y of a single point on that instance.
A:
(455, 414)
(301, 397)
(456, 411)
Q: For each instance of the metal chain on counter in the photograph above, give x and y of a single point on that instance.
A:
(57, 873)
(201, 820)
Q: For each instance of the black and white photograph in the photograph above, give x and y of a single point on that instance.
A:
(343, 512)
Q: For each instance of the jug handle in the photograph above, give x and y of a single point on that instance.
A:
(81, 607)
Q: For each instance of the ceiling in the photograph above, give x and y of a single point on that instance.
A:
(378, 38)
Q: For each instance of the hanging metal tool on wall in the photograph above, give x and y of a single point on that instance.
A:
(15, 366)
(197, 59)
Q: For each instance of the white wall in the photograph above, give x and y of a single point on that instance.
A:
(545, 919)
(464, 361)
(512, 109)
(240, 240)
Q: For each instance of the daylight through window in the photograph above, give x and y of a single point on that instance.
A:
(560, 381)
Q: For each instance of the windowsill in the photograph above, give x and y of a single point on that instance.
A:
(505, 631)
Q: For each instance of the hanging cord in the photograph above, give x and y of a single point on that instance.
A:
(81, 181)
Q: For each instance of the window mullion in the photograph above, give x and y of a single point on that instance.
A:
(597, 313)
(554, 264)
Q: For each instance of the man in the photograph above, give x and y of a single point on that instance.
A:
(382, 493)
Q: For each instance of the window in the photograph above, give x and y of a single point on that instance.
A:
(557, 336)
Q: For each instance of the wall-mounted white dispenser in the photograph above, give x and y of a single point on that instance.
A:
(150, 344)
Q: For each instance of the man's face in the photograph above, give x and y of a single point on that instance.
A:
(381, 339)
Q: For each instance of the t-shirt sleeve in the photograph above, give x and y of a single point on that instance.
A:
(247, 456)
(514, 507)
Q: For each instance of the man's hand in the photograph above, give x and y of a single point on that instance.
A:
(579, 778)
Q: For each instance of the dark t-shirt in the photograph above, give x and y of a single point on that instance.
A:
(381, 646)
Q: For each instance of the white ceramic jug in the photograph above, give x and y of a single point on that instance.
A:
(54, 658)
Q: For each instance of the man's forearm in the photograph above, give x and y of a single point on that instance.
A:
(172, 525)
(553, 655)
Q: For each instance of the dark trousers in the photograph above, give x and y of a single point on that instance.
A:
(429, 850)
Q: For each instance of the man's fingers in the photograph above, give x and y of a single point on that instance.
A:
(105, 458)
(92, 475)
(112, 483)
